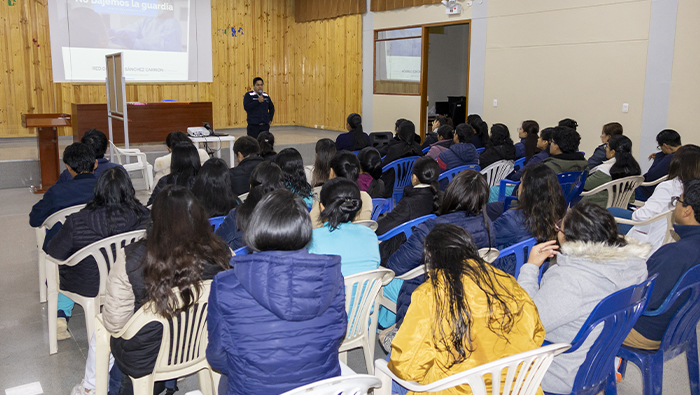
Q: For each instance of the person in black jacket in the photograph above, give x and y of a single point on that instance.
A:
(355, 139)
(499, 147)
(259, 108)
(246, 150)
(184, 165)
(406, 147)
(369, 179)
(212, 187)
(113, 210)
(481, 131)
(266, 141)
(385, 148)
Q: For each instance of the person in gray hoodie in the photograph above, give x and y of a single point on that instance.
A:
(594, 261)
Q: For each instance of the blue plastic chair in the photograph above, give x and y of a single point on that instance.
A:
(451, 173)
(619, 312)
(216, 221)
(507, 200)
(355, 152)
(521, 251)
(405, 228)
(403, 169)
(241, 251)
(381, 206)
(519, 164)
(426, 149)
(680, 336)
(572, 184)
(167, 100)
(480, 150)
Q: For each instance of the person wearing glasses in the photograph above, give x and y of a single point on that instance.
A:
(669, 141)
(592, 261)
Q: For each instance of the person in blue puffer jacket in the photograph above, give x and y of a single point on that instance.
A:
(462, 205)
(462, 152)
(276, 319)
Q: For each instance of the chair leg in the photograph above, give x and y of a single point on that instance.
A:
(52, 306)
(42, 276)
(343, 357)
(101, 359)
(206, 382)
(369, 355)
(143, 385)
(89, 309)
(611, 385)
(653, 374)
(691, 355)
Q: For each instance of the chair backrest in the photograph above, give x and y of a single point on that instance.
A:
(450, 174)
(380, 206)
(403, 169)
(518, 165)
(361, 292)
(355, 152)
(655, 182)
(521, 251)
(405, 228)
(502, 185)
(667, 215)
(368, 223)
(241, 251)
(682, 326)
(489, 254)
(357, 384)
(426, 149)
(216, 221)
(497, 171)
(618, 313)
(480, 150)
(184, 343)
(60, 216)
(621, 190)
(572, 183)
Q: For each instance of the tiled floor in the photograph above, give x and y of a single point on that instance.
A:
(24, 349)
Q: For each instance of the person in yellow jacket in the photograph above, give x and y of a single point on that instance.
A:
(466, 314)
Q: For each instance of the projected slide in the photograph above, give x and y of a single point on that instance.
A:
(155, 36)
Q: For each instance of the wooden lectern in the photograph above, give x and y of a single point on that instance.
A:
(47, 144)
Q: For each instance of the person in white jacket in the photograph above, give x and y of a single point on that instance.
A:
(162, 165)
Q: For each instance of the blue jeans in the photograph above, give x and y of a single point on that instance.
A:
(624, 214)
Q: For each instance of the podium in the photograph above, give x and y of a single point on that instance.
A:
(47, 145)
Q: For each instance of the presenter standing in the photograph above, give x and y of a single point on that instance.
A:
(259, 107)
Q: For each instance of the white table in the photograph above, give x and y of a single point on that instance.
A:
(217, 140)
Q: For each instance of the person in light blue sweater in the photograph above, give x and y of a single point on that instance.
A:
(356, 244)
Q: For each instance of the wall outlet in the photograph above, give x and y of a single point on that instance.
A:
(495, 103)
(625, 108)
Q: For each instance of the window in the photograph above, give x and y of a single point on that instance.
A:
(397, 61)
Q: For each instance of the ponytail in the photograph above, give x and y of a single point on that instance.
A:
(359, 140)
(427, 170)
(341, 202)
(625, 164)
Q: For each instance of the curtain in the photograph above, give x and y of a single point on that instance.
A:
(312, 10)
(386, 5)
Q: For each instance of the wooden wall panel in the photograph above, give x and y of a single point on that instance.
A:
(312, 70)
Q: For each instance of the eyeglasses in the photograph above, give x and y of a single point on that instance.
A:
(557, 225)
(675, 200)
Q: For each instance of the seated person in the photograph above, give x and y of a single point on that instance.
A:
(543, 141)
(80, 161)
(96, 140)
(279, 309)
(406, 147)
(670, 262)
(442, 335)
(385, 148)
(527, 146)
(340, 203)
(369, 179)
(432, 136)
(265, 178)
(563, 151)
(246, 150)
(599, 155)
(568, 123)
(668, 142)
(112, 211)
(162, 165)
(184, 167)
(266, 141)
(462, 152)
(540, 205)
(355, 139)
(500, 146)
(317, 174)
(620, 164)
(212, 187)
(595, 261)
(481, 131)
(445, 140)
(292, 165)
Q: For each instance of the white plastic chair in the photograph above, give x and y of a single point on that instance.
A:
(361, 299)
(368, 223)
(650, 184)
(668, 215)
(104, 253)
(243, 197)
(619, 191)
(358, 384)
(53, 219)
(488, 254)
(519, 374)
(497, 171)
(187, 355)
(141, 164)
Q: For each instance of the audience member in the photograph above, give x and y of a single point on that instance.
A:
(620, 164)
(370, 172)
(266, 141)
(465, 315)
(432, 136)
(481, 131)
(403, 149)
(543, 153)
(462, 152)
(595, 261)
(265, 178)
(212, 187)
(568, 123)
(528, 134)
(96, 140)
(184, 167)
(599, 155)
(445, 140)
(668, 142)
(180, 250)
(669, 263)
(384, 149)
(500, 146)
(318, 173)
(162, 165)
(113, 210)
(276, 319)
(292, 165)
(246, 150)
(340, 203)
(540, 205)
(563, 151)
(355, 139)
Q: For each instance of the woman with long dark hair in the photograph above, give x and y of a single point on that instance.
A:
(292, 165)
(266, 140)
(405, 148)
(355, 139)
(318, 173)
(528, 133)
(600, 155)
(184, 165)
(499, 147)
(370, 172)
(461, 152)
(543, 141)
(279, 309)
(465, 315)
(212, 187)
(481, 130)
(595, 261)
(619, 164)
(265, 178)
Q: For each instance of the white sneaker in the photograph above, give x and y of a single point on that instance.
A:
(81, 390)
(62, 329)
